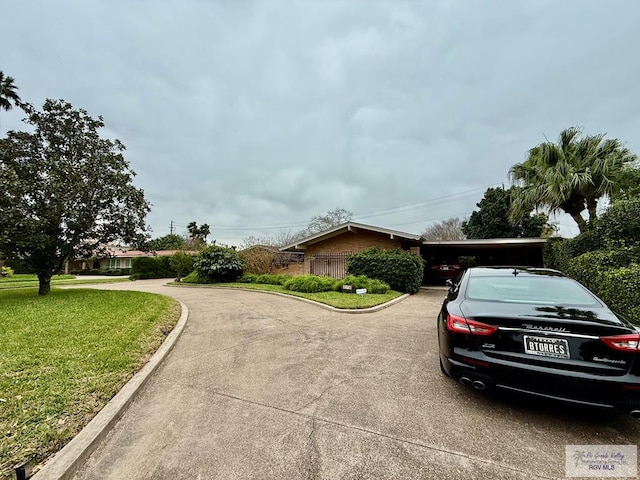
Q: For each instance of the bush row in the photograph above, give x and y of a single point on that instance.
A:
(402, 271)
(314, 283)
(265, 278)
(620, 289)
(151, 267)
(605, 258)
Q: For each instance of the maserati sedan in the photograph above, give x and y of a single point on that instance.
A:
(536, 332)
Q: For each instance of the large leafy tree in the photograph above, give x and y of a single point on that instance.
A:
(333, 218)
(65, 191)
(168, 242)
(491, 220)
(450, 229)
(8, 93)
(570, 175)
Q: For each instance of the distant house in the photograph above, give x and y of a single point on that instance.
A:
(116, 258)
(326, 253)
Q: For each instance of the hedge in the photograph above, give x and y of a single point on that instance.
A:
(620, 289)
(402, 271)
(151, 267)
(589, 267)
(619, 226)
(310, 284)
(372, 285)
(266, 278)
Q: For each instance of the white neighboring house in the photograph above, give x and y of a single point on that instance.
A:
(119, 257)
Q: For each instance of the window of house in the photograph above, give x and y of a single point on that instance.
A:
(113, 263)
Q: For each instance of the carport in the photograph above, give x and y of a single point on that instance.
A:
(525, 252)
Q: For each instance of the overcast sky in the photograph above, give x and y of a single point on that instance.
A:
(246, 115)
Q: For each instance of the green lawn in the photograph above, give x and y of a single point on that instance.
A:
(28, 280)
(64, 356)
(335, 299)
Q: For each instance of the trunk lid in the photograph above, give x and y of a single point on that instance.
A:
(553, 336)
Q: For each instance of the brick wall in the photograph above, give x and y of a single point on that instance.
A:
(350, 242)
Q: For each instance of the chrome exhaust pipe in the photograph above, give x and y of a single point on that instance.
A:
(635, 413)
(465, 380)
(478, 385)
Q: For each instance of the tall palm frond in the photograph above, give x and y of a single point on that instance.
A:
(8, 95)
(570, 175)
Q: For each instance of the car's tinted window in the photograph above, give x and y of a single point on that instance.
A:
(529, 289)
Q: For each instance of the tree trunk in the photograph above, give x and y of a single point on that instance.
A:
(44, 283)
(592, 205)
(582, 225)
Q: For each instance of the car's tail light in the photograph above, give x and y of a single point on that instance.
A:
(625, 343)
(470, 327)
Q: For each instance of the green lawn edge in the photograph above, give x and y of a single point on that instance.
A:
(64, 356)
(11, 283)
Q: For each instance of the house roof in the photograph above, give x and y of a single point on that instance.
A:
(139, 253)
(268, 248)
(347, 227)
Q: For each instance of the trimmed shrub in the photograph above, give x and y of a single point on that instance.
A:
(194, 278)
(309, 284)
(151, 267)
(6, 272)
(372, 285)
(218, 264)
(620, 289)
(589, 241)
(402, 271)
(619, 226)
(271, 279)
(267, 279)
(248, 278)
(589, 267)
(182, 263)
(557, 253)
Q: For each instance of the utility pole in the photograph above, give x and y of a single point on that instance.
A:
(171, 228)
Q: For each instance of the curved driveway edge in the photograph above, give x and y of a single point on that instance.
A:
(64, 463)
(377, 308)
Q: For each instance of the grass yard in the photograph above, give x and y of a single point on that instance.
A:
(64, 356)
(334, 299)
(28, 281)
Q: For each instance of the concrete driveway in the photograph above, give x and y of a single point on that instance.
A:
(266, 387)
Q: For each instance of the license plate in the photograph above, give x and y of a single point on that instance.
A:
(546, 347)
(445, 267)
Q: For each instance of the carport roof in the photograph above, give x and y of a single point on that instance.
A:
(348, 227)
(489, 242)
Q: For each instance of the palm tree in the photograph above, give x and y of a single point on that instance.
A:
(8, 93)
(571, 175)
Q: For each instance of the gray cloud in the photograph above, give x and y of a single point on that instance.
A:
(266, 113)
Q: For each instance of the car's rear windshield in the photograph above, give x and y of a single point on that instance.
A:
(529, 289)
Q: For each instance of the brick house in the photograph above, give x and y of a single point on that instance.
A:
(325, 253)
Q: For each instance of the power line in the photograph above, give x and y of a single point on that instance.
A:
(370, 214)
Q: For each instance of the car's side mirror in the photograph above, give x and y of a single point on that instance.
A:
(449, 283)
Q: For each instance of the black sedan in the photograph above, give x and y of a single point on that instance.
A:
(537, 332)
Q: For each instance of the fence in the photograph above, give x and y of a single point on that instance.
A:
(330, 264)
